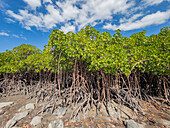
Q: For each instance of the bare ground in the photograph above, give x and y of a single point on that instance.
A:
(155, 118)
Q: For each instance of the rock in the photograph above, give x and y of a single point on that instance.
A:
(1, 112)
(164, 122)
(126, 112)
(21, 109)
(36, 120)
(131, 124)
(142, 125)
(56, 124)
(16, 118)
(4, 104)
(30, 106)
(60, 111)
(20, 115)
(115, 112)
(10, 123)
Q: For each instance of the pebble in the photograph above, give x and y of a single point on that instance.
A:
(131, 124)
(56, 124)
(16, 118)
(30, 106)
(1, 112)
(10, 123)
(164, 122)
(21, 109)
(36, 120)
(20, 115)
(60, 111)
(4, 104)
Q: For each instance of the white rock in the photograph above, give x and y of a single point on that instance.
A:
(30, 106)
(164, 122)
(21, 109)
(1, 112)
(141, 125)
(16, 118)
(20, 115)
(131, 124)
(36, 120)
(115, 112)
(4, 104)
(61, 111)
(56, 124)
(10, 123)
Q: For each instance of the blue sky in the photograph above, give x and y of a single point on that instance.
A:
(31, 21)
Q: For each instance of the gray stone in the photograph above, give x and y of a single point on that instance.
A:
(16, 118)
(30, 106)
(114, 111)
(21, 109)
(164, 122)
(20, 115)
(10, 123)
(36, 120)
(4, 104)
(142, 125)
(131, 124)
(61, 111)
(1, 112)
(56, 124)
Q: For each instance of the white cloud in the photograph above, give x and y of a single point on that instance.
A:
(33, 3)
(3, 6)
(14, 35)
(8, 20)
(152, 2)
(27, 27)
(101, 10)
(151, 19)
(133, 18)
(47, 1)
(77, 12)
(67, 28)
(27, 19)
(52, 18)
(22, 37)
(32, 20)
(144, 4)
(19, 36)
(12, 14)
(4, 34)
(69, 11)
